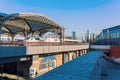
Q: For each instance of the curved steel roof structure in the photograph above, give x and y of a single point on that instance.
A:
(29, 22)
(2, 15)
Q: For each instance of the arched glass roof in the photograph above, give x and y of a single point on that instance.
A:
(29, 22)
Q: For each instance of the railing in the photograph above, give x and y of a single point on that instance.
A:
(19, 49)
(15, 43)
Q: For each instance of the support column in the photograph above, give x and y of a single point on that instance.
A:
(59, 59)
(77, 53)
(82, 52)
(65, 57)
(70, 56)
(35, 67)
(12, 35)
(25, 35)
(85, 51)
(61, 34)
(18, 70)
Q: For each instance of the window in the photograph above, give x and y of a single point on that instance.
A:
(117, 34)
(113, 35)
(47, 64)
(110, 35)
(47, 61)
(42, 66)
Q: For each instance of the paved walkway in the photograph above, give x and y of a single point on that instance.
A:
(110, 70)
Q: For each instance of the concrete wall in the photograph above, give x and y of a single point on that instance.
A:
(13, 51)
(59, 59)
(70, 55)
(52, 49)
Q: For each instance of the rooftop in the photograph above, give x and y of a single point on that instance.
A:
(77, 69)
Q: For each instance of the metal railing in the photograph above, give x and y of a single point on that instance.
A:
(15, 43)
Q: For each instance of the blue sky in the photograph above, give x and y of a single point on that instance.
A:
(74, 15)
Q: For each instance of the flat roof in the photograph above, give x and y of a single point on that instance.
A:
(77, 69)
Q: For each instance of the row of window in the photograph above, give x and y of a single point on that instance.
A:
(115, 35)
(110, 35)
(46, 65)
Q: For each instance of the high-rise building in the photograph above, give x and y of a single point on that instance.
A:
(87, 35)
(74, 35)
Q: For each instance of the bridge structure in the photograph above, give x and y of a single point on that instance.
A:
(104, 48)
(33, 60)
(87, 67)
